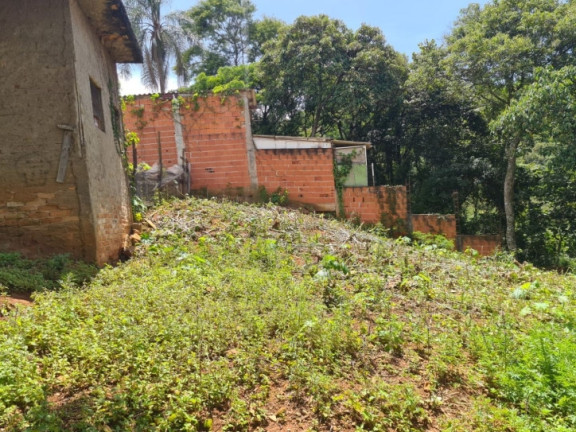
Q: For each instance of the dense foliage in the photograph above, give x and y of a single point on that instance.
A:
(496, 50)
(236, 317)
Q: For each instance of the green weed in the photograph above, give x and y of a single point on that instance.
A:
(243, 317)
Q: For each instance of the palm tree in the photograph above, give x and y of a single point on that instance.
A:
(162, 40)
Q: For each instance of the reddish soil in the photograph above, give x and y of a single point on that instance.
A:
(12, 301)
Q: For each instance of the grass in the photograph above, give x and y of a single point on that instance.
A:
(244, 318)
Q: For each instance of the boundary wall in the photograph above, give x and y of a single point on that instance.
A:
(212, 136)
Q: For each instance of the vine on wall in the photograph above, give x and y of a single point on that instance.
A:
(342, 169)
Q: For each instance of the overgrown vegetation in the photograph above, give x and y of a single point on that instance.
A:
(238, 317)
(278, 196)
(25, 276)
(342, 169)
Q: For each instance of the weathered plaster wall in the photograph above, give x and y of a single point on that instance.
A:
(307, 175)
(37, 215)
(86, 214)
(107, 190)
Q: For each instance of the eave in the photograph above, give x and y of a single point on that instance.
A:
(110, 20)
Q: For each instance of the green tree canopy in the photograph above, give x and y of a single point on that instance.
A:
(228, 79)
(545, 114)
(496, 50)
(443, 138)
(322, 79)
(224, 27)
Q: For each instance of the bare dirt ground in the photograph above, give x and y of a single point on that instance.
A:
(12, 301)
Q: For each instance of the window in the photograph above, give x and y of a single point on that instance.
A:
(97, 107)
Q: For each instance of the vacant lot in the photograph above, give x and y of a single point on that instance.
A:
(236, 317)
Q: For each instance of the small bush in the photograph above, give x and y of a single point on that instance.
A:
(433, 240)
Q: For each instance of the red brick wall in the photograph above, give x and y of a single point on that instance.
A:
(307, 175)
(484, 244)
(435, 224)
(385, 204)
(214, 133)
(215, 137)
(147, 117)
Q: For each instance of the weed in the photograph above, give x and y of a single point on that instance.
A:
(237, 316)
(277, 197)
(21, 275)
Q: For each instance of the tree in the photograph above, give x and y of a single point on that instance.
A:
(224, 27)
(304, 72)
(545, 114)
(496, 50)
(443, 139)
(322, 79)
(229, 79)
(262, 31)
(162, 40)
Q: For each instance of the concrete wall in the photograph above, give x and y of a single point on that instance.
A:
(39, 216)
(384, 204)
(435, 224)
(307, 175)
(101, 150)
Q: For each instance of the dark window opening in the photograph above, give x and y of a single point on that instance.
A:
(97, 107)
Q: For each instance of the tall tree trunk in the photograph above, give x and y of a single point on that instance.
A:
(509, 193)
(315, 121)
(162, 78)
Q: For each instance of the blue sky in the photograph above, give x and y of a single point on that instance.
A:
(405, 23)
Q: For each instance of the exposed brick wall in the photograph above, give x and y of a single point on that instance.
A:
(435, 224)
(385, 204)
(214, 134)
(307, 175)
(40, 223)
(484, 244)
(148, 118)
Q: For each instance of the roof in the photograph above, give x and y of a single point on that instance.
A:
(112, 25)
(270, 142)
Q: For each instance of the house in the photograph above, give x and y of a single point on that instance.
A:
(62, 184)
